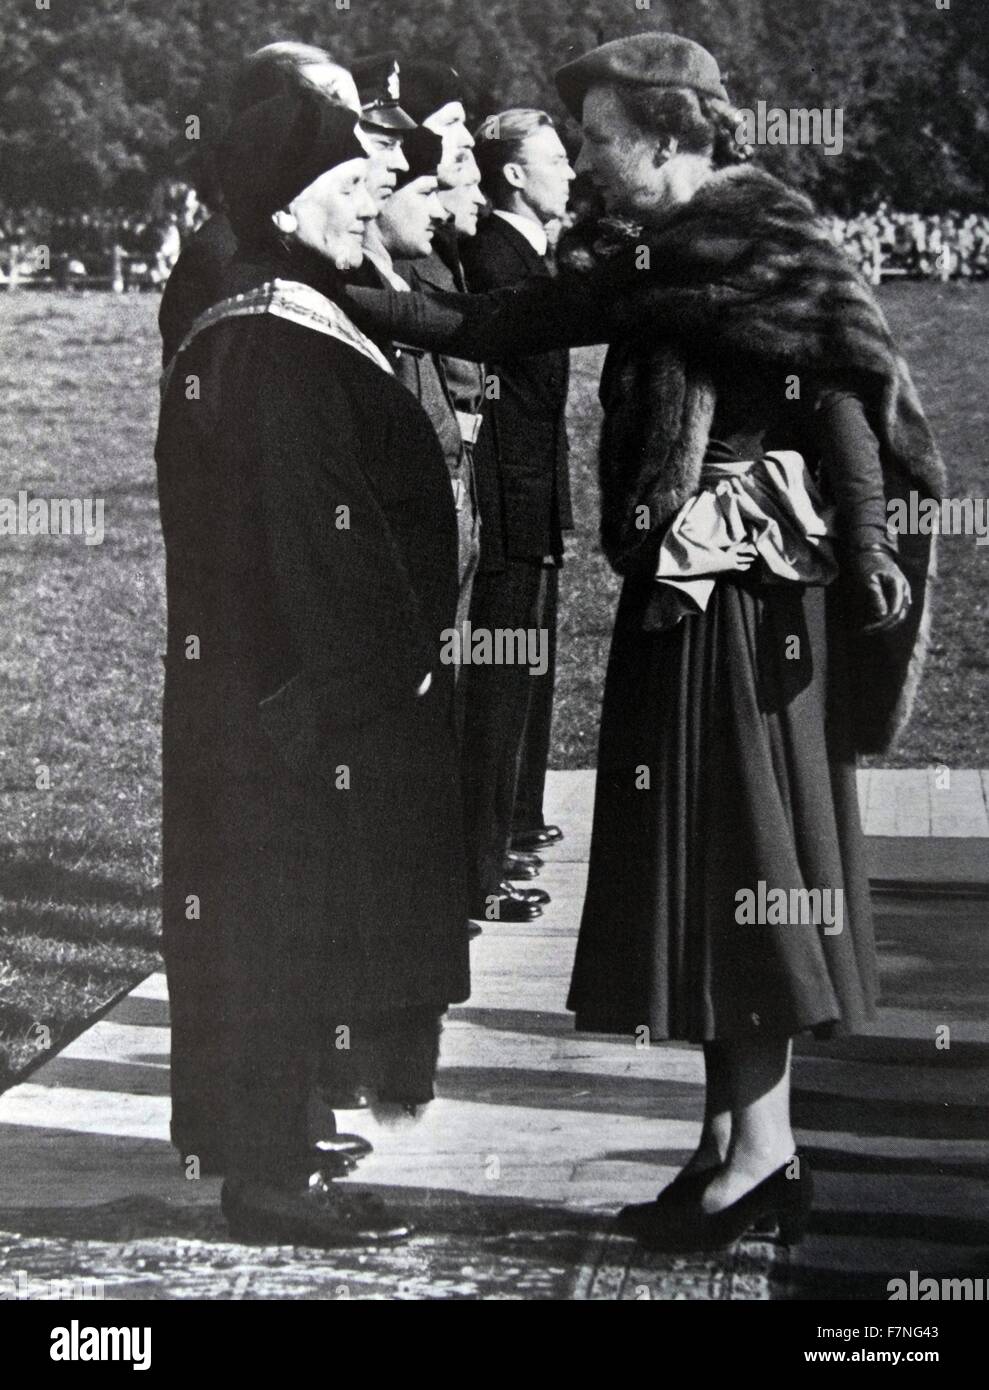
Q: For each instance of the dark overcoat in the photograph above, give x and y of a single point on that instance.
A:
(311, 799)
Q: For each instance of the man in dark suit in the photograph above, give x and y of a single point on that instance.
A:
(524, 501)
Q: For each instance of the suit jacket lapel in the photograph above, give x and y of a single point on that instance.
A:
(530, 259)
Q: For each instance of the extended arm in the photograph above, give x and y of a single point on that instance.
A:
(537, 315)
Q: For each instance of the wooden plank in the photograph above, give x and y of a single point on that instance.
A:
(960, 808)
(865, 793)
(929, 860)
(899, 802)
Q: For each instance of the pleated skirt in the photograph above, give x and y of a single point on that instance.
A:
(726, 762)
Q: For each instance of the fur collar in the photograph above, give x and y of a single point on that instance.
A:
(747, 271)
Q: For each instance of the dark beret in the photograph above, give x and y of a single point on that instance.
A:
(423, 150)
(275, 149)
(641, 60)
(427, 86)
(379, 83)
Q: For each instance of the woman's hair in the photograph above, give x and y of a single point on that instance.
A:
(699, 124)
(271, 70)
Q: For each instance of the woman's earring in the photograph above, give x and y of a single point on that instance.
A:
(286, 222)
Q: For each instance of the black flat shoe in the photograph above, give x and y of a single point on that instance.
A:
(515, 868)
(521, 866)
(352, 1146)
(538, 839)
(778, 1199)
(310, 1213)
(522, 856)
(531, 895)
(509, 905)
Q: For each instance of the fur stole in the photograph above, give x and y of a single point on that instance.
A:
(746, 271)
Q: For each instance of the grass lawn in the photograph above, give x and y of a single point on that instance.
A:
(84, 629)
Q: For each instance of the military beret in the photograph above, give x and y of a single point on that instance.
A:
(423, 150)
(379, 83)
(427, 86)
(276, 148)
(641, 60)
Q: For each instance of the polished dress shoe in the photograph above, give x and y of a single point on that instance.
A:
(310, 1212)
(521, 866)
(352, 1146)
(509, 905)
(778, 1202)
(537, 839)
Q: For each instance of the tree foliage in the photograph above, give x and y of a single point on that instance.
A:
(95, 95)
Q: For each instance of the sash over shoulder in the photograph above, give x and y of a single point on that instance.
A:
(286, 299)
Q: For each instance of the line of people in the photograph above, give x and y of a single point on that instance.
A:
(362, 446)
(500, 430)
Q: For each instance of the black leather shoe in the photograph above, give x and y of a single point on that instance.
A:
(779, 1202)
(311, 1212)
(535, 895)
(651, 1219)
(520, 866)
(522, 856)
(537, 839)
(509, 905)
(352, 1146)
(685, 1189)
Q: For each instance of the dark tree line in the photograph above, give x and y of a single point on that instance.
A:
(96, 95)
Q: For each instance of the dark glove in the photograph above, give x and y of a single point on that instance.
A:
(881, 587)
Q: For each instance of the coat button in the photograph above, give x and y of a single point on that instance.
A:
(755, 1020)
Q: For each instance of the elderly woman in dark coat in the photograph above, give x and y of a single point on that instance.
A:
(312, 832)
(757, 418)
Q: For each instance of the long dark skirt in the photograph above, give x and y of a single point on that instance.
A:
(726, 761)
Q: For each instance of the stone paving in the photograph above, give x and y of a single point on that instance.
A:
(539, 1134)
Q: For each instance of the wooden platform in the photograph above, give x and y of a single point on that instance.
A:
(539, 1133)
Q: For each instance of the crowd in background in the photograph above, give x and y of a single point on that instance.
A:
(127, 249)
(946, 246)
(116, 246)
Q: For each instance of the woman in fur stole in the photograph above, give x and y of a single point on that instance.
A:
(758, 418)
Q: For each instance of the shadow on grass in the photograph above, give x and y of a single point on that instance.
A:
(74, 935)
(33, 873)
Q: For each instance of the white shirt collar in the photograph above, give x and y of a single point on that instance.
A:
(382, 261)
(534, 233)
